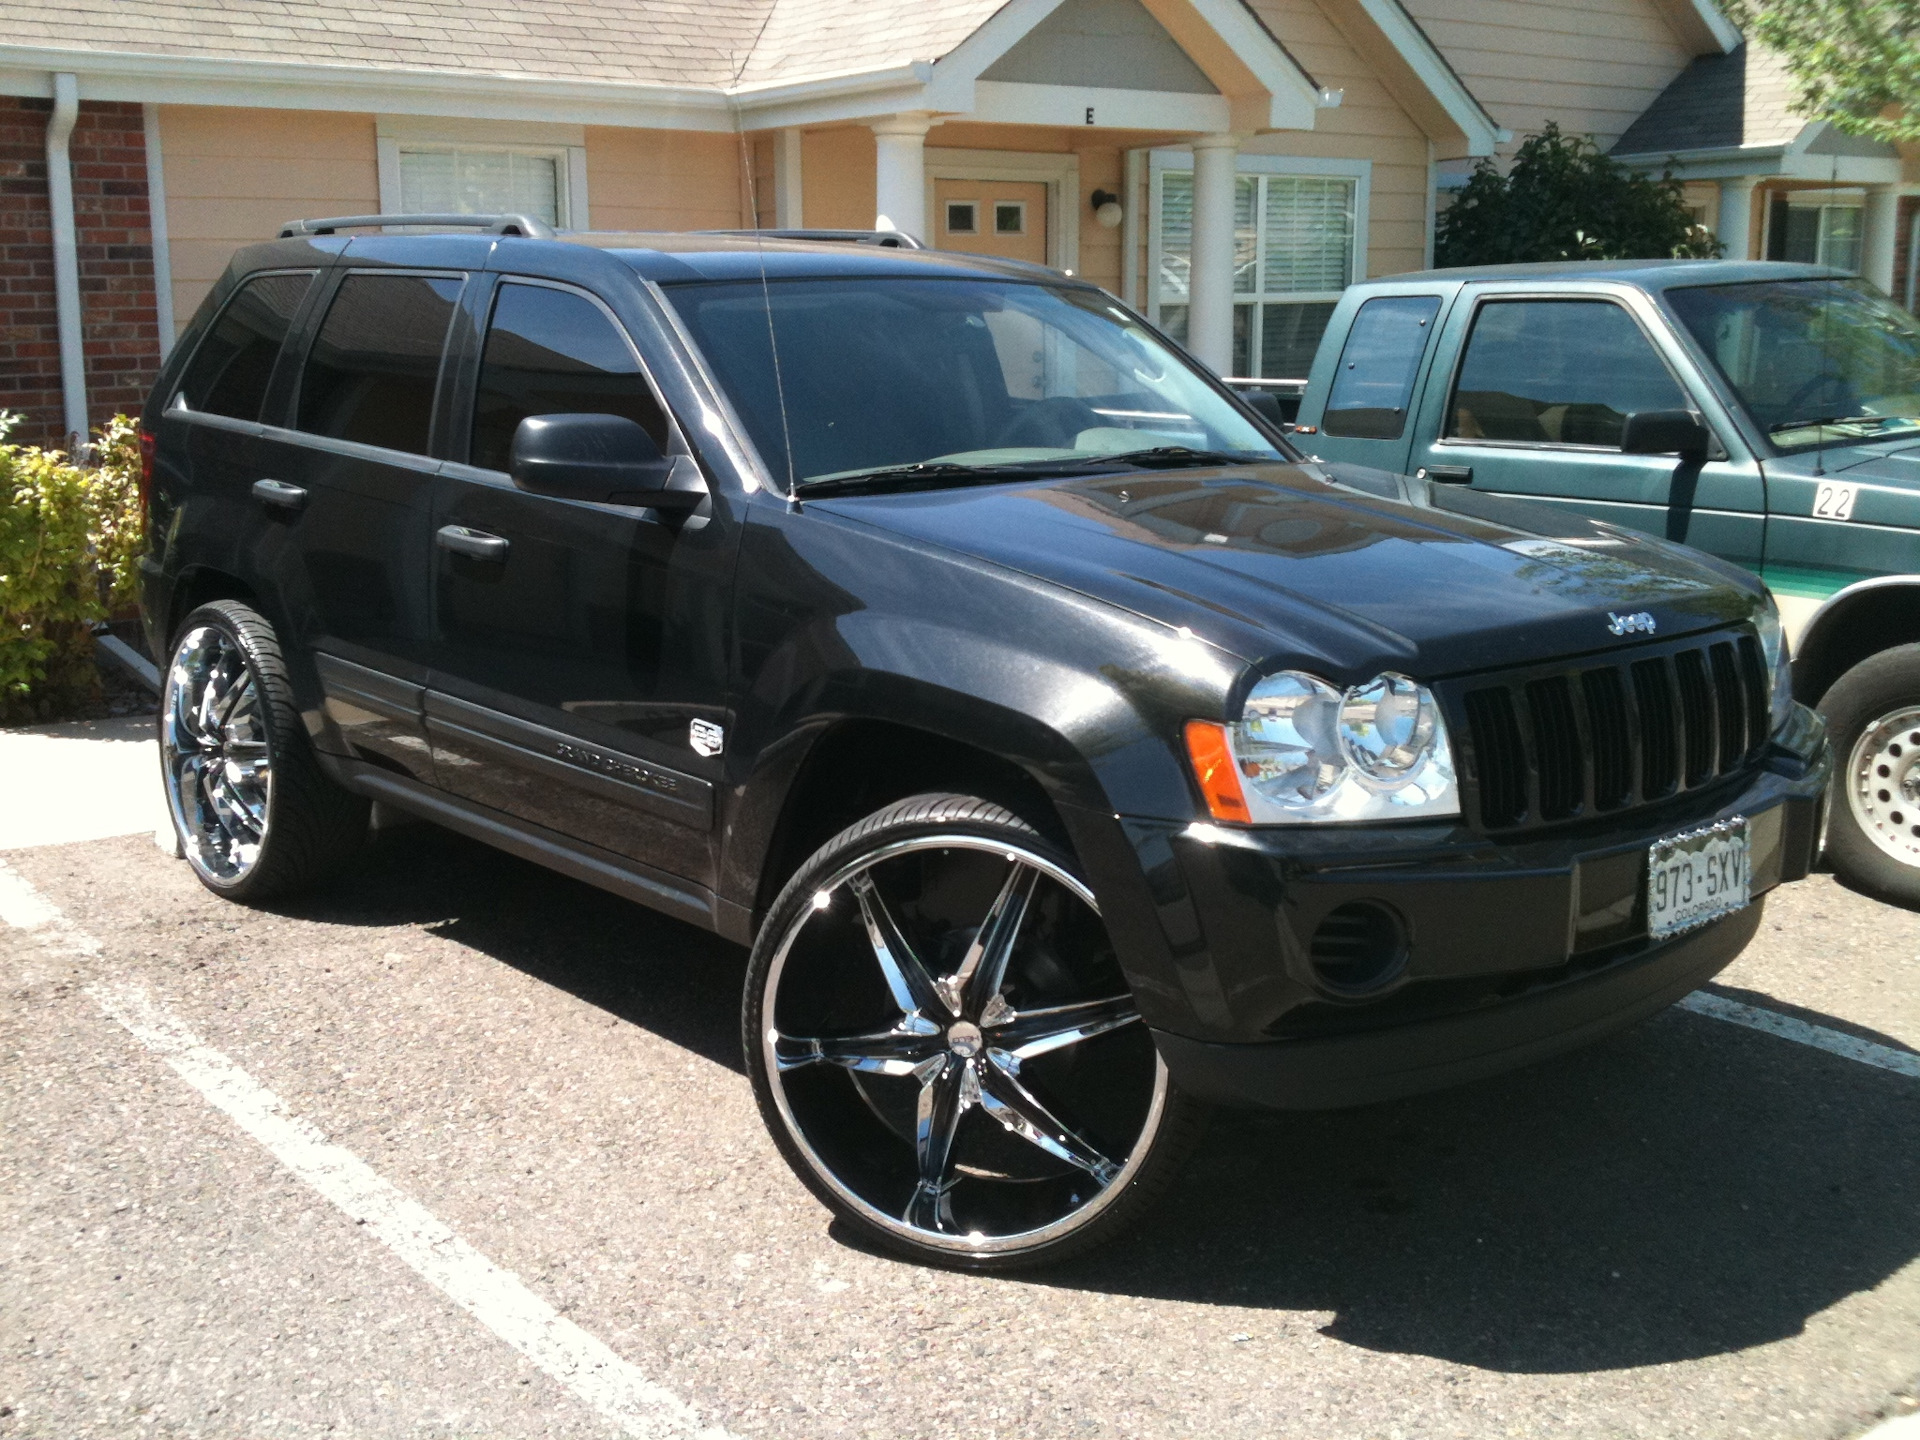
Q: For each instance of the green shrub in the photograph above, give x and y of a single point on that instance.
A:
(1564, 200)
(70, 539)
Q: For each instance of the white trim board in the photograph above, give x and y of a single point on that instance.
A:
(1060, 174)
(157, 231)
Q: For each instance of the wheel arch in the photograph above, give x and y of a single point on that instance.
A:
(201, 585)
(1853, 624)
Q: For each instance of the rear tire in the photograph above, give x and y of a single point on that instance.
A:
(930, 971)
(255, 815)
(1873, 834)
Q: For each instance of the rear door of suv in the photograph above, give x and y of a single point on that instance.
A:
(352, 467)
(571, 663)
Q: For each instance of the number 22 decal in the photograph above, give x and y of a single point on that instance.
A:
(1833, 501)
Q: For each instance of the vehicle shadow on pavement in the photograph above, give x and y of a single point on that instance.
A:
(1688, 1188)
(673, 979)
(1685, 1189)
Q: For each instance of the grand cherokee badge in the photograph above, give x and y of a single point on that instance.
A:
(706, 738)
(1639, 621)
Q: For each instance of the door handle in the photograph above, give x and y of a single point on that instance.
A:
(1446, 474)
(279, 494)
(474, 544)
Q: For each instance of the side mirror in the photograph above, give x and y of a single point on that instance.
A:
(1666, 432)
(601, 457)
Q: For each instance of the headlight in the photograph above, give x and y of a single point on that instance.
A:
(1304, 751)
(1773, 648)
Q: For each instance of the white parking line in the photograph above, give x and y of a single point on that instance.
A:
(495, 1297)
(1834, 1042)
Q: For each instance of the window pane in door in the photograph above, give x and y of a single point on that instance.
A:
(1374, 381)
(553, 352)
(1557, 372)
(371, 373)
(480, 182)
(230, 370)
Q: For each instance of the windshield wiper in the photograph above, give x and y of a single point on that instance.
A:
(1158, 457)
(1826, 420)
(890, 476)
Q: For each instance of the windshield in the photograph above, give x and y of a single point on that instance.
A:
(952, 376)
(1814, 361)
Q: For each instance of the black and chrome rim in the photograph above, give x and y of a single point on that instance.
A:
(950, 1044)
(213, 743)
(1883, 788)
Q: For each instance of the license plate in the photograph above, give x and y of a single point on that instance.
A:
(1698, 876)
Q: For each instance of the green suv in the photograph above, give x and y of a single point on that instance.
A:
(1767, 413)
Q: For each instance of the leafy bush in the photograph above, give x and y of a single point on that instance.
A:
(70, 539)
(1564, 200)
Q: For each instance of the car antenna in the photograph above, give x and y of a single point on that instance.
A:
(759, 245)
(1826, 357)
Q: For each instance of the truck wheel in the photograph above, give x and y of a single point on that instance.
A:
(943, 1045)
(255, 814)
(1873, 714)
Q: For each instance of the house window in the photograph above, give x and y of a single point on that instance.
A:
(1295, 239)
(960, 217)
(1819, 233)
(1010, 217)
(470, 181)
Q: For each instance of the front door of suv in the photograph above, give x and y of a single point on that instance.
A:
(574, 653)
(1535, 406)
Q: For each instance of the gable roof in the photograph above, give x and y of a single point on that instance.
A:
(1702, 108)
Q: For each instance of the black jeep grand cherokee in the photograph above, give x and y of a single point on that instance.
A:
(1069, 750)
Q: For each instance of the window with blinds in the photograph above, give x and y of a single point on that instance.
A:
(483, 182)
(1293, 247)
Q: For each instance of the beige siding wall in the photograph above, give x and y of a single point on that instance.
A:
(836, 184)
(235, 176)
(1769, 118)
(1368, 124)
(664, 180)
(1593, 66)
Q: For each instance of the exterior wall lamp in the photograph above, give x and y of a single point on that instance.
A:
(1107, 209)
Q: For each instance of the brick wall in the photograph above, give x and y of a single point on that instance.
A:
(1902, 247)
(118, 318)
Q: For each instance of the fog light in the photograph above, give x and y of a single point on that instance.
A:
(1358, 948)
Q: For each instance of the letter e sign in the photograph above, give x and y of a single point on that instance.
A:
(1089, 114)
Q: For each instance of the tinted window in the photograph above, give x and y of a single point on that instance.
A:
(231, 368)
(1557, 372)
(371, 372)
(1375, 379)
(552, 352)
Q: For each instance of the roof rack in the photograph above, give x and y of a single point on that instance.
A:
(493, 224)
(885, 239)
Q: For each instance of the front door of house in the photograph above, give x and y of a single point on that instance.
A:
(992, 217)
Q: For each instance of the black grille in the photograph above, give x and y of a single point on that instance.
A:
(1552, 744)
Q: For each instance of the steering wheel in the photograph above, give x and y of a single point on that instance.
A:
(1050, 423)
(1838, 384)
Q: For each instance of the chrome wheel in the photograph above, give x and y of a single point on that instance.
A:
(213, 743)
(949, 1044)
(1883, 784)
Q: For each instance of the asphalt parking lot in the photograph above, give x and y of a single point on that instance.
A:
(1694, 1229)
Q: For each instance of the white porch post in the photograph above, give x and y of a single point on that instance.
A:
(789, 211)
(1210, 282)
(1878, 220)
(1734, 229)
(900, 173)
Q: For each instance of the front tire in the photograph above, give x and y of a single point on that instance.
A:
(946, 1052)
(255, 815)
(1873, 835)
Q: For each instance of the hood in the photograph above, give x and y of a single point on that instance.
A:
(1895, 464)
(1340, 570)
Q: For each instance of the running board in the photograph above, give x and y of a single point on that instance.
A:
(626, 878)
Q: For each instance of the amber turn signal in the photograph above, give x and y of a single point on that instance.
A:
(1213, 767)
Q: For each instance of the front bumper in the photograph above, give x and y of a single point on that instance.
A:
(1512, 949)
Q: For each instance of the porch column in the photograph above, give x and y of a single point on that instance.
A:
(1210, 282)
(900, 173)
(1878, 221)
(1734, 229)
